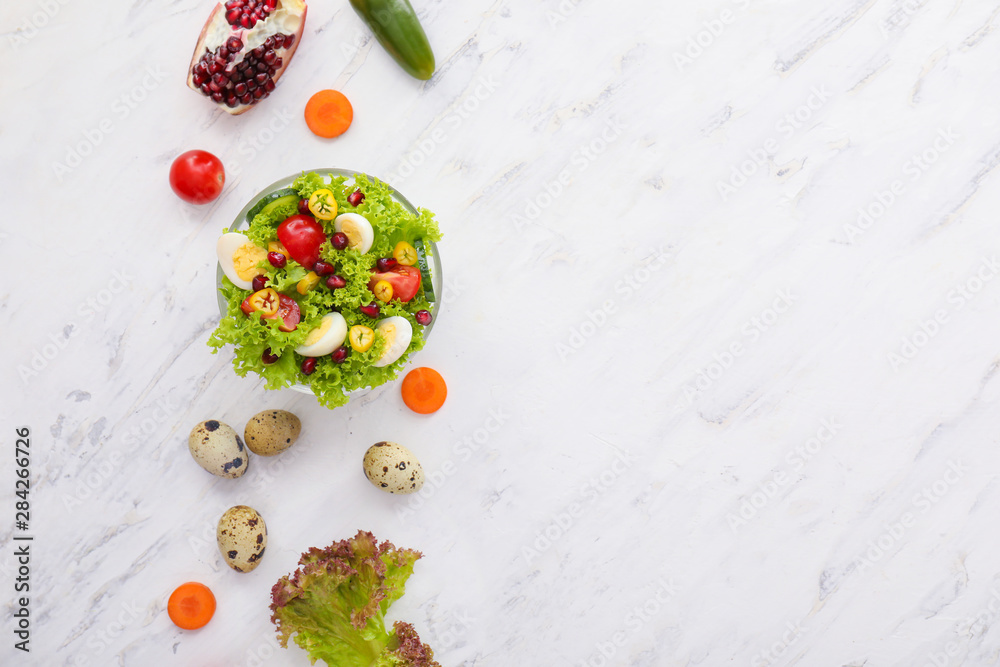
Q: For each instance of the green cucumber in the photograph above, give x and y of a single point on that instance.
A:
(397, 29)
(269, 202)
(425, 270)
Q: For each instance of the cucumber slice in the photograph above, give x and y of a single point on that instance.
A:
(425, 270)
(272, 201)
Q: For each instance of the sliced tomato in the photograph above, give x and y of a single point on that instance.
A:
(303, 236)
(288, 311)
(263, 301)
(405, 281)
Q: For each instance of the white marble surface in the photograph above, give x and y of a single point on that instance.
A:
(695, 417)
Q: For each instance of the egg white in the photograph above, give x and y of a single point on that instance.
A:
(327, 337)
(226, 248)
(398, 332)
(360, 227)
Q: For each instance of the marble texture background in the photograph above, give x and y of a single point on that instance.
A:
(720, 332)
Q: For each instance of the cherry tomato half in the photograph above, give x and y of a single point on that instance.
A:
(405, 281)
(197, 177)
(303, 236)
(288, 311)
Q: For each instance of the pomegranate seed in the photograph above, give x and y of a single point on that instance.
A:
(258, 52)
(232, 3)
(246, 21)
(339, 240)
(339, 355)
(234, 43)
(261, 79)
(423, 317)
(355, 198)
(309, 365)
(214, 68)
(371, 310)
(304, 207)
(201, 67)
(246, 99)
(240, 89)
(276, 259)
(223, 52)
(233, 16)
(277, 62)
(269, 56)
(269, 86)
(261, 66)
(323, 268)
(270, 4)
(335, 282)
(217, 97)
(386, 264)
(205, 89)
(259, 282)
(289, 40)
(259, 93)
(198, 79)
(269, 357)
(232, 102)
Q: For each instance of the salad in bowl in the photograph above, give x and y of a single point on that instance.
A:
(328, 282)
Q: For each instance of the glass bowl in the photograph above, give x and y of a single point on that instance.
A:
(434, 259)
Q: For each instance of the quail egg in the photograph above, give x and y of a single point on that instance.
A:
(217, 448)
(271, 432)
(242, 538)
(393, 468)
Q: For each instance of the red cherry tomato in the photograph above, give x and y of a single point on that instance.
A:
(288, 311)
(405, 281)
(302, 236)
(197, 177)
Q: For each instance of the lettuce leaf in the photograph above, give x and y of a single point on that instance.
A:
(331, 383)
(334, 605)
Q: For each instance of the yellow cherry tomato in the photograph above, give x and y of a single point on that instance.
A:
(383, 291)
(361, 338)
(323, 205)
(276, 246)
(265, 301)
(307, 283)
(405, 254)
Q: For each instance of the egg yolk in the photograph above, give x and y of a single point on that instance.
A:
(319, 331)
(350, 229)
(246, 258)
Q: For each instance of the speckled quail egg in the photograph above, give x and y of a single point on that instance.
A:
(242, 538)
(271, 432)
(393, 468)
(217, 448)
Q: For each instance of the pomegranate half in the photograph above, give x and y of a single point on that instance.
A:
(243, 49)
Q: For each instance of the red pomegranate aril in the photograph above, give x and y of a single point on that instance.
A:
(309, 365)
(246, 99)
(258, 52)
(278, 61)
(423, 317)
(304, 207)
(355, 198)
(259, 282)
(386, 264)
(246, 21)
(201, 68)
(214, 67)
(261, 66)
(240, 89)
(233, 16)
(205, 89)
(269, 56)
(339, 240)
(270, 4)
(261, 79)
(289, 40)
(277, 260)
(339, 355)
(258, 93)
(371, 310)
(199, 79)
(323, 268)
(269, 85)
(223, 52)
(336, 282)
(269, 357)
(217, 97)
(234, 44)
(233, 3)
(232, 102)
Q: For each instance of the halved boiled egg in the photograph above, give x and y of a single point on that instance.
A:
(325, 338)
(397, 332)
(239, 258)
(360, 234)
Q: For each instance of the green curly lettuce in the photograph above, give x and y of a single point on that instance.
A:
(251, 336)
(335, 603)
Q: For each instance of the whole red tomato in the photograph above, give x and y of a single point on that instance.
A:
(197, 177)
(302, 236)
